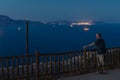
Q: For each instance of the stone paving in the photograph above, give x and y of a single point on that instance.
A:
(113, 74)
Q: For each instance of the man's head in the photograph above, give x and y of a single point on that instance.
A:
(98, 35)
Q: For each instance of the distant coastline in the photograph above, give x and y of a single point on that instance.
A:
(5, 21)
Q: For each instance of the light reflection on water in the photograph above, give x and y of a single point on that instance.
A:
(86, 29)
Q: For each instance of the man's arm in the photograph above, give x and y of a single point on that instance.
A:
(91, 44)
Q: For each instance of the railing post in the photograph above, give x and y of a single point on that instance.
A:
(7, 66)
(46, 67)
(51, 65)
(81, 62)
(17, 65)
(89, 61)
(37, 65)
(116, 57)
(22, 68)
(95, 59)
(74, 62)
(42, 66)
(63, 63)
(13, 77)
(85, 59)
(119, 56)
(55, 72)
(67, 65)
(32, 66)
(109, 56)
(112, 56)
(3, 72)
(59, 64)
(70, 70)
(78, 65)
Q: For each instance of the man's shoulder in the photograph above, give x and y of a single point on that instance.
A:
(100, 39)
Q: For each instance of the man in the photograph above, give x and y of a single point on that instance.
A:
(101, 50)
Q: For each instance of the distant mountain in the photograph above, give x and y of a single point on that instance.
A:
(7, 21)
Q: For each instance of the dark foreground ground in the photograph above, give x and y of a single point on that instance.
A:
(111, 75)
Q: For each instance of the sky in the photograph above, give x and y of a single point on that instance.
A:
(52, 10)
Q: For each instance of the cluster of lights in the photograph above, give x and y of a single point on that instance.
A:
(81, 23)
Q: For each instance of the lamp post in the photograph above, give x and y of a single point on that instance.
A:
(27, 39)
(27, 50)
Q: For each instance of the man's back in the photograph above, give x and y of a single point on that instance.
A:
(100, 46)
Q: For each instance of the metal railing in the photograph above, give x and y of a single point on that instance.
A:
(50, 66)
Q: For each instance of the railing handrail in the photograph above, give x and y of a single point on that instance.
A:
(71, 52)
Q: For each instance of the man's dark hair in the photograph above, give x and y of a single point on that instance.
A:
(99, 34)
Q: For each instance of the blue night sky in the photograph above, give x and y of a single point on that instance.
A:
(50, 10)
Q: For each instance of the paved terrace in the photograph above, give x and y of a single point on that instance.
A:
(113, 74)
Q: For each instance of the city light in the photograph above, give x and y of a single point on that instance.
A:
(81, 23)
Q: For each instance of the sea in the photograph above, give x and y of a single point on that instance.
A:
(49, 39)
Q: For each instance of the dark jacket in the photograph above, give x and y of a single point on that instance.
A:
(100, 46)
